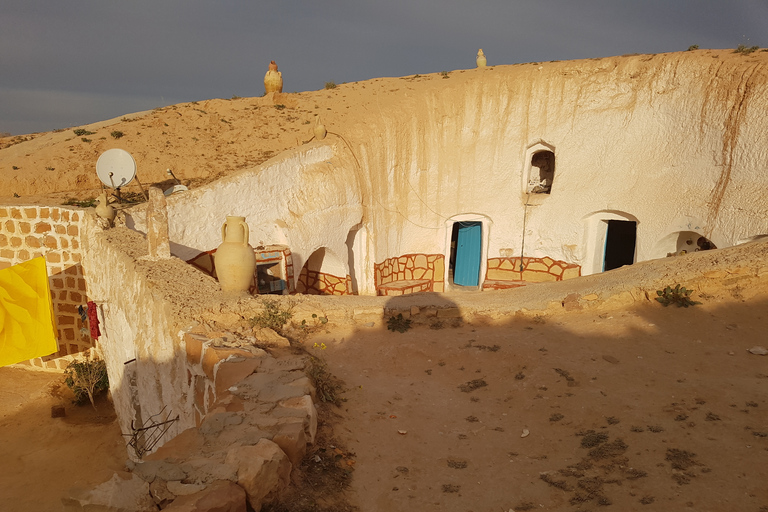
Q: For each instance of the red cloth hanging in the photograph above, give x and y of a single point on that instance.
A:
(93, 320)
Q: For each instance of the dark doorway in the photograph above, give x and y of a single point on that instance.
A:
(619, 244)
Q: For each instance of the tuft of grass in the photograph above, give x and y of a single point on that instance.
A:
(80, 132)
(116, 134)
(274, 315)
(86, 203)
(693, 47)
(85, 139)
(330, 85)
(327, 386)
(279, 106)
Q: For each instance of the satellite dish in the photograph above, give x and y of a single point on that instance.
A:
(116, 168)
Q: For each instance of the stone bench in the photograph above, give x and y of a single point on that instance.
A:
(405, 287)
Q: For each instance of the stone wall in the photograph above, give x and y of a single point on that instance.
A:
(313, 282)
(534, 270)
(53, 232)
(410, 267)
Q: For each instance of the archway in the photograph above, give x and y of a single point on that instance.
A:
(323, 274)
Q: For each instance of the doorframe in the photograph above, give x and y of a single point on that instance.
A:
(485, 234)
(596, 231)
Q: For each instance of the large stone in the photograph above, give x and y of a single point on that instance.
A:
(233, 370)
(305, 405)
(180, 489)
(160, 493)
(263, 471)
(270, 337)
(150, 469)
(115, 495)
(291, 438)
(220, 496)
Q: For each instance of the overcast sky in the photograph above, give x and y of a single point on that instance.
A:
(68, 63)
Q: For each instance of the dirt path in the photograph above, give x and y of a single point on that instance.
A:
(644, 409)
(41, 457)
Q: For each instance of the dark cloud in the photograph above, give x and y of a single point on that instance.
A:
(121, 57)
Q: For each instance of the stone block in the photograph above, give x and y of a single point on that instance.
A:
(213, 355)
(180, 447)
(181, 489)
(149, 470)
(194, 347)
(537, 265)
(570, 273)
(116, 495)
(502, 275)
(232, 370)
(160, 493)
(305, 405)
(291, 438)
(532, 276)
(220, 496)
(263, 471)
(25, 228)
(449, 313)
(42, 227)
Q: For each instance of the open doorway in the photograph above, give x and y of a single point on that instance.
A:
(620, 238)
(466, 253)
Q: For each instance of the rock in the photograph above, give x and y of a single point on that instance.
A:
(571, 302)
(270, 337)
(291, 438)
(180, 489)
(234, 369)
(208, 470)
(305, 404)
(263, 471)
(160, 493)
(151, 469)
(758, 351)
(590, 297)
(115, 495)
(220, 496)
(611, 359)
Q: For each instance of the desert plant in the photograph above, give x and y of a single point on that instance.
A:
(676, 295)
(327, 386)
(746, 50)
(85, 139)
(116, 134)
(398, 323)
(86, 379)
(274, 315)
(330, 85)
(693, 47)
(279, 106)
(81, 132)
(85, 203)
(444, 74)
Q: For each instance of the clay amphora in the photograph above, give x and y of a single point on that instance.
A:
(104, 210)
(481, 60)
(273, 80)
(319, 130)
(234, 260)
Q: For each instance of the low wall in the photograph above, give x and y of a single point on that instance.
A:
(411, 267)
(53, 232)
(533, 270)
(313, 282)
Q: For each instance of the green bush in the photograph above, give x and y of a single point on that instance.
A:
(116, 134)
(330, 85)
(81, 132)
(746, 50)
(86, 379)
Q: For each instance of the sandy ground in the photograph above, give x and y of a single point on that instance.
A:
(648, 408)
(41, 457)
(645, 408)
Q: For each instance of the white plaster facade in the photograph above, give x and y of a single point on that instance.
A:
(673, 144)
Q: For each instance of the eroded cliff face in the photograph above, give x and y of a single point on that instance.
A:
(676, 142)
(673, 142)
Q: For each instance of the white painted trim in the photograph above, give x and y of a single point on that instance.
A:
(486, 231)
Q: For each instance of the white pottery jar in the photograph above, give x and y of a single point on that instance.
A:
(234, 260)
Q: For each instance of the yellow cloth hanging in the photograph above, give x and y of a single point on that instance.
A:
(27, 326)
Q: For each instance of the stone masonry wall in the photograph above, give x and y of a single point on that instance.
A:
(313, 282)
(28, 232)
(410, 267)
(535, 270)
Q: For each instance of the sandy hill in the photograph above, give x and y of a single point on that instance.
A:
(203, 141)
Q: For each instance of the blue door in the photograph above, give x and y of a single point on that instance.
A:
(468, 251)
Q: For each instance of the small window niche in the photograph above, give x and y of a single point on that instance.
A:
(540, 169)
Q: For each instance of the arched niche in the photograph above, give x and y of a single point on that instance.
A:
(323, 274)
(611, 240)
(679, 243)
(539, 170)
